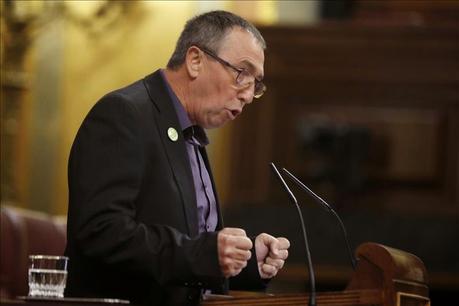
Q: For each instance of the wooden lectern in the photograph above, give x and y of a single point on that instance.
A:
(384, 276)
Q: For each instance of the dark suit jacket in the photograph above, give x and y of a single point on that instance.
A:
(132, 219)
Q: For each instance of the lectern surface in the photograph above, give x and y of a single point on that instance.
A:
(342, 298)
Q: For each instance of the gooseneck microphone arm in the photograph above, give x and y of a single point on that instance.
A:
(326, 205)
(312, 280)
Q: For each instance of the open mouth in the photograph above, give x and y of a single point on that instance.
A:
(235, 112)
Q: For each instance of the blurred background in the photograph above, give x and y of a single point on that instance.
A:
(362, 105)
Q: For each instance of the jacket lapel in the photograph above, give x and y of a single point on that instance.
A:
(175, 150)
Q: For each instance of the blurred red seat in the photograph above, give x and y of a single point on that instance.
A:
(25, 232)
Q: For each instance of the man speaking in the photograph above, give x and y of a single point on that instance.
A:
(144, 222)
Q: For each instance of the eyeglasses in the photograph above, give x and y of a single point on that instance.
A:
(243, 78)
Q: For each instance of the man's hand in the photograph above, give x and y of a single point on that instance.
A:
(233, 250)
(271, 254)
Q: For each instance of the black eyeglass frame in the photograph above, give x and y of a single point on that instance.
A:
(259, 88)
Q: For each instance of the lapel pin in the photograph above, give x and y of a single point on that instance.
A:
(172, 133)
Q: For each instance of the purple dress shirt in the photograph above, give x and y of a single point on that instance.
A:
(196, 139)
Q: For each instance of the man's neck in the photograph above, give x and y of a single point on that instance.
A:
(177, 81)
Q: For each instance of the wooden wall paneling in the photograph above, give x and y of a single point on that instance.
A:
(251, 151)
(399, 83)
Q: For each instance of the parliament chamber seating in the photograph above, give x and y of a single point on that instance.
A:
(25, 232)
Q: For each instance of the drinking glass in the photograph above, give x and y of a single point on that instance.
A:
(47, 276)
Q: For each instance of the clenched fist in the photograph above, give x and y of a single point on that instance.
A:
(233, 250)
(271, 254)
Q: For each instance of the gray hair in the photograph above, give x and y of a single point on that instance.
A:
(208, 30)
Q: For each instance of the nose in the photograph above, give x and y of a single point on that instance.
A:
(245, 95)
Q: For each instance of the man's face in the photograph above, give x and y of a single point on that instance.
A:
(220, 99)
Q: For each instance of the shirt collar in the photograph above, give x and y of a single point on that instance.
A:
(190, 131)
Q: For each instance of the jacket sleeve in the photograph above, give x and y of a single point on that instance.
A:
(105, 177)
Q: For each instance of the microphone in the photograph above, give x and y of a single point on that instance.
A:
(312, 280)
(328, 207)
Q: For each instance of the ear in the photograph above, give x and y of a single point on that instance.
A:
(193, 61)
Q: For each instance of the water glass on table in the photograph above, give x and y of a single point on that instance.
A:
(47, 276)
